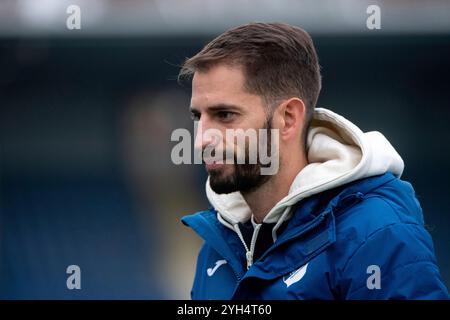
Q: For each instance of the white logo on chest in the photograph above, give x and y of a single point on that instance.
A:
(295, 276)
(211, 271)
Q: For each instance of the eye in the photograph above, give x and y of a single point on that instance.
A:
(195, 116)
(225, 115)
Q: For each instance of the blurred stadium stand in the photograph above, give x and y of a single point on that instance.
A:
(85, 123)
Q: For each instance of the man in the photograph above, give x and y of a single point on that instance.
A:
(335, 221)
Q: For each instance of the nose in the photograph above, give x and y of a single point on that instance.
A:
(201, 139)
(206, 135)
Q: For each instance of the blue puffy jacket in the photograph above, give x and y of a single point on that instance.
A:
(362, 240)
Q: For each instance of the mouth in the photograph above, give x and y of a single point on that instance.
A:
(213, 165)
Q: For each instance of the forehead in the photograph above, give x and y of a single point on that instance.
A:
(220, 84)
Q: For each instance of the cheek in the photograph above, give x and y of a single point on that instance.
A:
(242, 146)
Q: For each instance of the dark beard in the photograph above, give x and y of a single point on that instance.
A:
(245, 177)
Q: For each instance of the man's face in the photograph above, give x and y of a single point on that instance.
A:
(220, 102)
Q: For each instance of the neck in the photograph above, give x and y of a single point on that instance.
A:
(263, 199)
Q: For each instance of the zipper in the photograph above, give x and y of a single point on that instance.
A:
(248, 252)
(252, 245)
(319, 219)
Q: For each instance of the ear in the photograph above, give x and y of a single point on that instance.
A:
(292, 114)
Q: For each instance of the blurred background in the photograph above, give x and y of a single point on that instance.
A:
(86, 117)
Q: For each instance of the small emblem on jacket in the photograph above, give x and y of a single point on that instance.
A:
(211, 271)
(295, 276)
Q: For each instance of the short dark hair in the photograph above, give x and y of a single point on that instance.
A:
(279, 61)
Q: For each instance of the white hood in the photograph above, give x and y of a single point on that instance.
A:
(338, 152)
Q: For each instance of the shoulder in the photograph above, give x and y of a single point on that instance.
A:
(383, 235)
(386, 223)
(392, 205)
(385, 229)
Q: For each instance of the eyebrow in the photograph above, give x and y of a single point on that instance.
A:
(217, 107)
